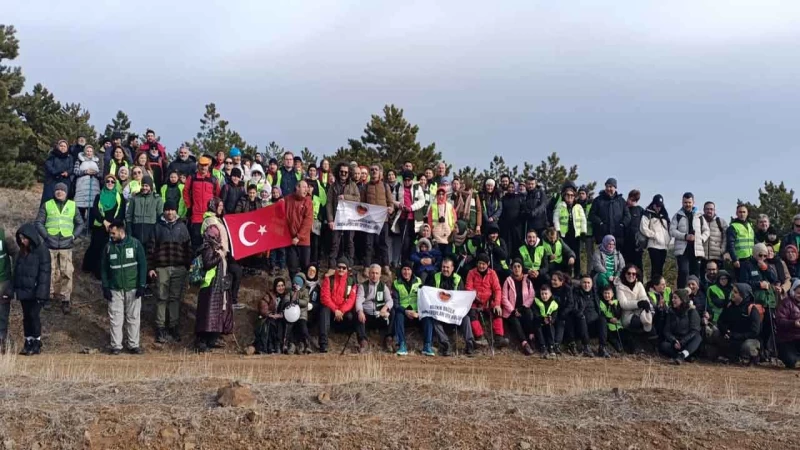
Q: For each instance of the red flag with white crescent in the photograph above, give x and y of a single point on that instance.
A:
(258, 231)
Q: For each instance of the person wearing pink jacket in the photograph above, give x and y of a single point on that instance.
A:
(516, 299)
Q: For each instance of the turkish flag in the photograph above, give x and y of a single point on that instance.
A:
(258, 231)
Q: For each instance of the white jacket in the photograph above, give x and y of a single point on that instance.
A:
(629, 303)
(655, 229)
(715, 245)
(680, 226)
(417, 204)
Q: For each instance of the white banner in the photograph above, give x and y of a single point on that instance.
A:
(360, 217)
(444, 306)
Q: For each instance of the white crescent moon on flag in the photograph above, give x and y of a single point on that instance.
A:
(242, 239)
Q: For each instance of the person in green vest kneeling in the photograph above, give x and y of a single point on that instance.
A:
(405, 289)
(59, 223)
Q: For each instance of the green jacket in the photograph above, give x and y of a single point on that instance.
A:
(144, 209)
(124, 265)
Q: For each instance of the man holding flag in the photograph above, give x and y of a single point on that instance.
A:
(447, 280)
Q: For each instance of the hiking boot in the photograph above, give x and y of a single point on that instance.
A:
(323, 348)
(603, 353)
(218, 343)
(292, 349)
(587, 352)
(161, 335)
(402, 351)
(427, 350)
(543, 351)
(307, 348)
(2, 346)
(571, 349)
(46, 305)
(444, 349)
(114, 351)
(481, 342)
(526, 349)
(388, 344)
(556, 349)
(238, 306)
(678, 360)
(500, 342)
(363, 346)
(175, 333)
(26, 350)
(470, 349)
(36, 347)
(199, 347)
(136, 351)
(66, 308)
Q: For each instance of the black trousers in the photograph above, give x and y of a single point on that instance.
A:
(235, 269)
(296, 332)
(789, 352)
(544, 333)
(385, 326)
(688, 264)
(31, 323)
(657, 260)
(316, 246)
(574, 323)
(521, 327)
(511, 232)
(598, 328)
(668, 349)
(341, 241)
(298, 257)
(575, 245)
(376, 249)
(196, 235)
(348, 323)
(407, 235)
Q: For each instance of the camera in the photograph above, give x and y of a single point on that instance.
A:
(441, 219)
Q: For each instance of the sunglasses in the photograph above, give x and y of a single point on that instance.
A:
(631, 274)
(762, 255)
(374, 169)
(110, 181)
(797, 225)
(228, 162)
(341, 267)
(137, 172)
(343, 172)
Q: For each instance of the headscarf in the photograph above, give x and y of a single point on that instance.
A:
(108, 197)
(213, 204)
(604, 246)
(213, 236)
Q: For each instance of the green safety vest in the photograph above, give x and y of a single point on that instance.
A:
(60, 222)
(98, 222)
(469, 247)
(219, 175)
(608, 313)
(536, 262)
(437, 279)
(745, 240)
(5, 267)
(448, 217)
(350, 283)
(558, 251)
(667, 296)
(182, 210)
(588, 222)
(112, 169)
(546, 310)
(135, 187)
(718, 293)
(379, 300)
(322, 194)
(578, 219)
(405, 297)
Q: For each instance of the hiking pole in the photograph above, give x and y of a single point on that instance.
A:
(349, 336)
(619, 340)
(772, 330)
(483, 325)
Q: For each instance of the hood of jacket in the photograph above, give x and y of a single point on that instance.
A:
(29, 231)
(83, 158)
(256, 167)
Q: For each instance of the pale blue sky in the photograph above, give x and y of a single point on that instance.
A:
(665, 96)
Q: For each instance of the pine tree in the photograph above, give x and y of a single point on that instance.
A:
(551, 174)
(778, 203)
(13, 131)
(308, 157)
(273, 150)
(119, 124)
(215, 136)
(391, 141)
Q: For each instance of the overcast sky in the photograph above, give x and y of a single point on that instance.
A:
(665, 96)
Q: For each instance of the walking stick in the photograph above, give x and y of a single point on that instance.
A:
(349, 336)
(619, 339)
(483, 325)
(772, 330)
(491, 330)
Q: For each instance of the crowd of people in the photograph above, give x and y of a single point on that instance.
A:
(154, 227)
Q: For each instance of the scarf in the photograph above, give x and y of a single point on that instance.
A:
(108, 199)
(607, 240)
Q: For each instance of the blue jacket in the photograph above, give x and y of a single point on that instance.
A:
(417, 256)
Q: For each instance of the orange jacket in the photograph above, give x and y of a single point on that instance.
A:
(300, 216)
(487, 288)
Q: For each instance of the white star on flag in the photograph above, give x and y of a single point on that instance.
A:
(262, 229)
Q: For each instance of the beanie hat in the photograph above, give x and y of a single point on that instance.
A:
(60, 187)
(170, 205)
(298, 280)
(658, 200)
(235, 152)
(694, 278)
(611, 182)
(343, 260)
(148, 181)
(236, 172)
(408, 264)
(745, 291)
(683, 294)
(482, 257)
(795, 285)
(492, 228)
(759, 248)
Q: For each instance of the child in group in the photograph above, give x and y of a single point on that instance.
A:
(296, 338)
(609, 308)
(545, 309)
(425, 259)
(265, 195)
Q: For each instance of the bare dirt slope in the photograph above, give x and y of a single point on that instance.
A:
(166, 398)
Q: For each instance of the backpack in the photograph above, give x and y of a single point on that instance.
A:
(196, 272)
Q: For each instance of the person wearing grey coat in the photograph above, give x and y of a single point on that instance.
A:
(87, 180)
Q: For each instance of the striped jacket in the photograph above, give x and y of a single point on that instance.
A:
(171, 246)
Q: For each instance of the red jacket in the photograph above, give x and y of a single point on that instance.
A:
(487, 288)
(339, 299)
(197, 192)
(146, 148)
(300, 216)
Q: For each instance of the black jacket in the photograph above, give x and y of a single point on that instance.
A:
(55, 165)
(587, 302)
(32, 270)
(188, 167)
(512, 208)
(750, 273)
(610, 215)
(534, 209)
(632, 229)
(563, 296)
(231, 194)
(682, 325)
(742, 324)
(497, 253)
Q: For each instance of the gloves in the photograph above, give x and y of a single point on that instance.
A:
(107, 294)
(644, 304)
(140, 292)
(42, 301)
